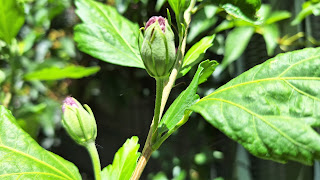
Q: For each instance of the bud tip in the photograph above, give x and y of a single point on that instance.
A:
(69, 101)
(161, 20)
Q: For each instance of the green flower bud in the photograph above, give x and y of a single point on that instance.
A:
(78, 122)
(158, 49)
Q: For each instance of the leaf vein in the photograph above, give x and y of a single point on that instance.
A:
(110, 45)
(111, 22)
(256, 131)
(302, 61)
(26, 173)
(38, 160)
(300, 91)
(73, 175)
(260, 117)
(263, 80)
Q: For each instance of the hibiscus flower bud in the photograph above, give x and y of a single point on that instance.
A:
(158, 48)
(78, 122)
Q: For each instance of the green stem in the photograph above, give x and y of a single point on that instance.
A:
(153, 133)
(165, 86)
(157, 109)
(91, 147)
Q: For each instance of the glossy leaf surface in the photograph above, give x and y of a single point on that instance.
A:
(11, 19)
(272, 108)
(22, 157)
(195, 54)
(107, 35)
(124, 162)
(55, 73)
(177, 110)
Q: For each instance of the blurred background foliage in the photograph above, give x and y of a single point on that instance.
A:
(41, 66)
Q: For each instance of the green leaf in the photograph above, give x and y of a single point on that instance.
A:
(174, 4)
(272, 108)
(271, 34)
(277, 16)
(236, 43)
(11, 19)
(195, 54)
(159, 4)
(224, 25)
(55, 73)
(107, 35)
(22, 158)
(202, 21)
(178, 6)
(308, 10)
(244, 9)
(177, 115)
(124, 162)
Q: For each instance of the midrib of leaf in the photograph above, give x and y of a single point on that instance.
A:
(35, 159)
(26, 173)
(119, 33)
(292, 65)
(122, 164)
(260, 117)
(262, 80)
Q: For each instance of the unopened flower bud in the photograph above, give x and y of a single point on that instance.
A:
(158, 48)
(78, 122)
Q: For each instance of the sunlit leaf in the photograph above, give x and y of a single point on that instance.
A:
(107, 35)
(178, 6)
(271, 34)
(272, 108)
(11, 19)
(159, 4)
(22, 157)
(244, 9)
(124, 162)
(277, 16)
(176, 115)
(55, 73)
(195, 54)
(308, 10)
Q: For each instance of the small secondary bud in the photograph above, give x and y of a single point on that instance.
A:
(158, 48)
(78, 122)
